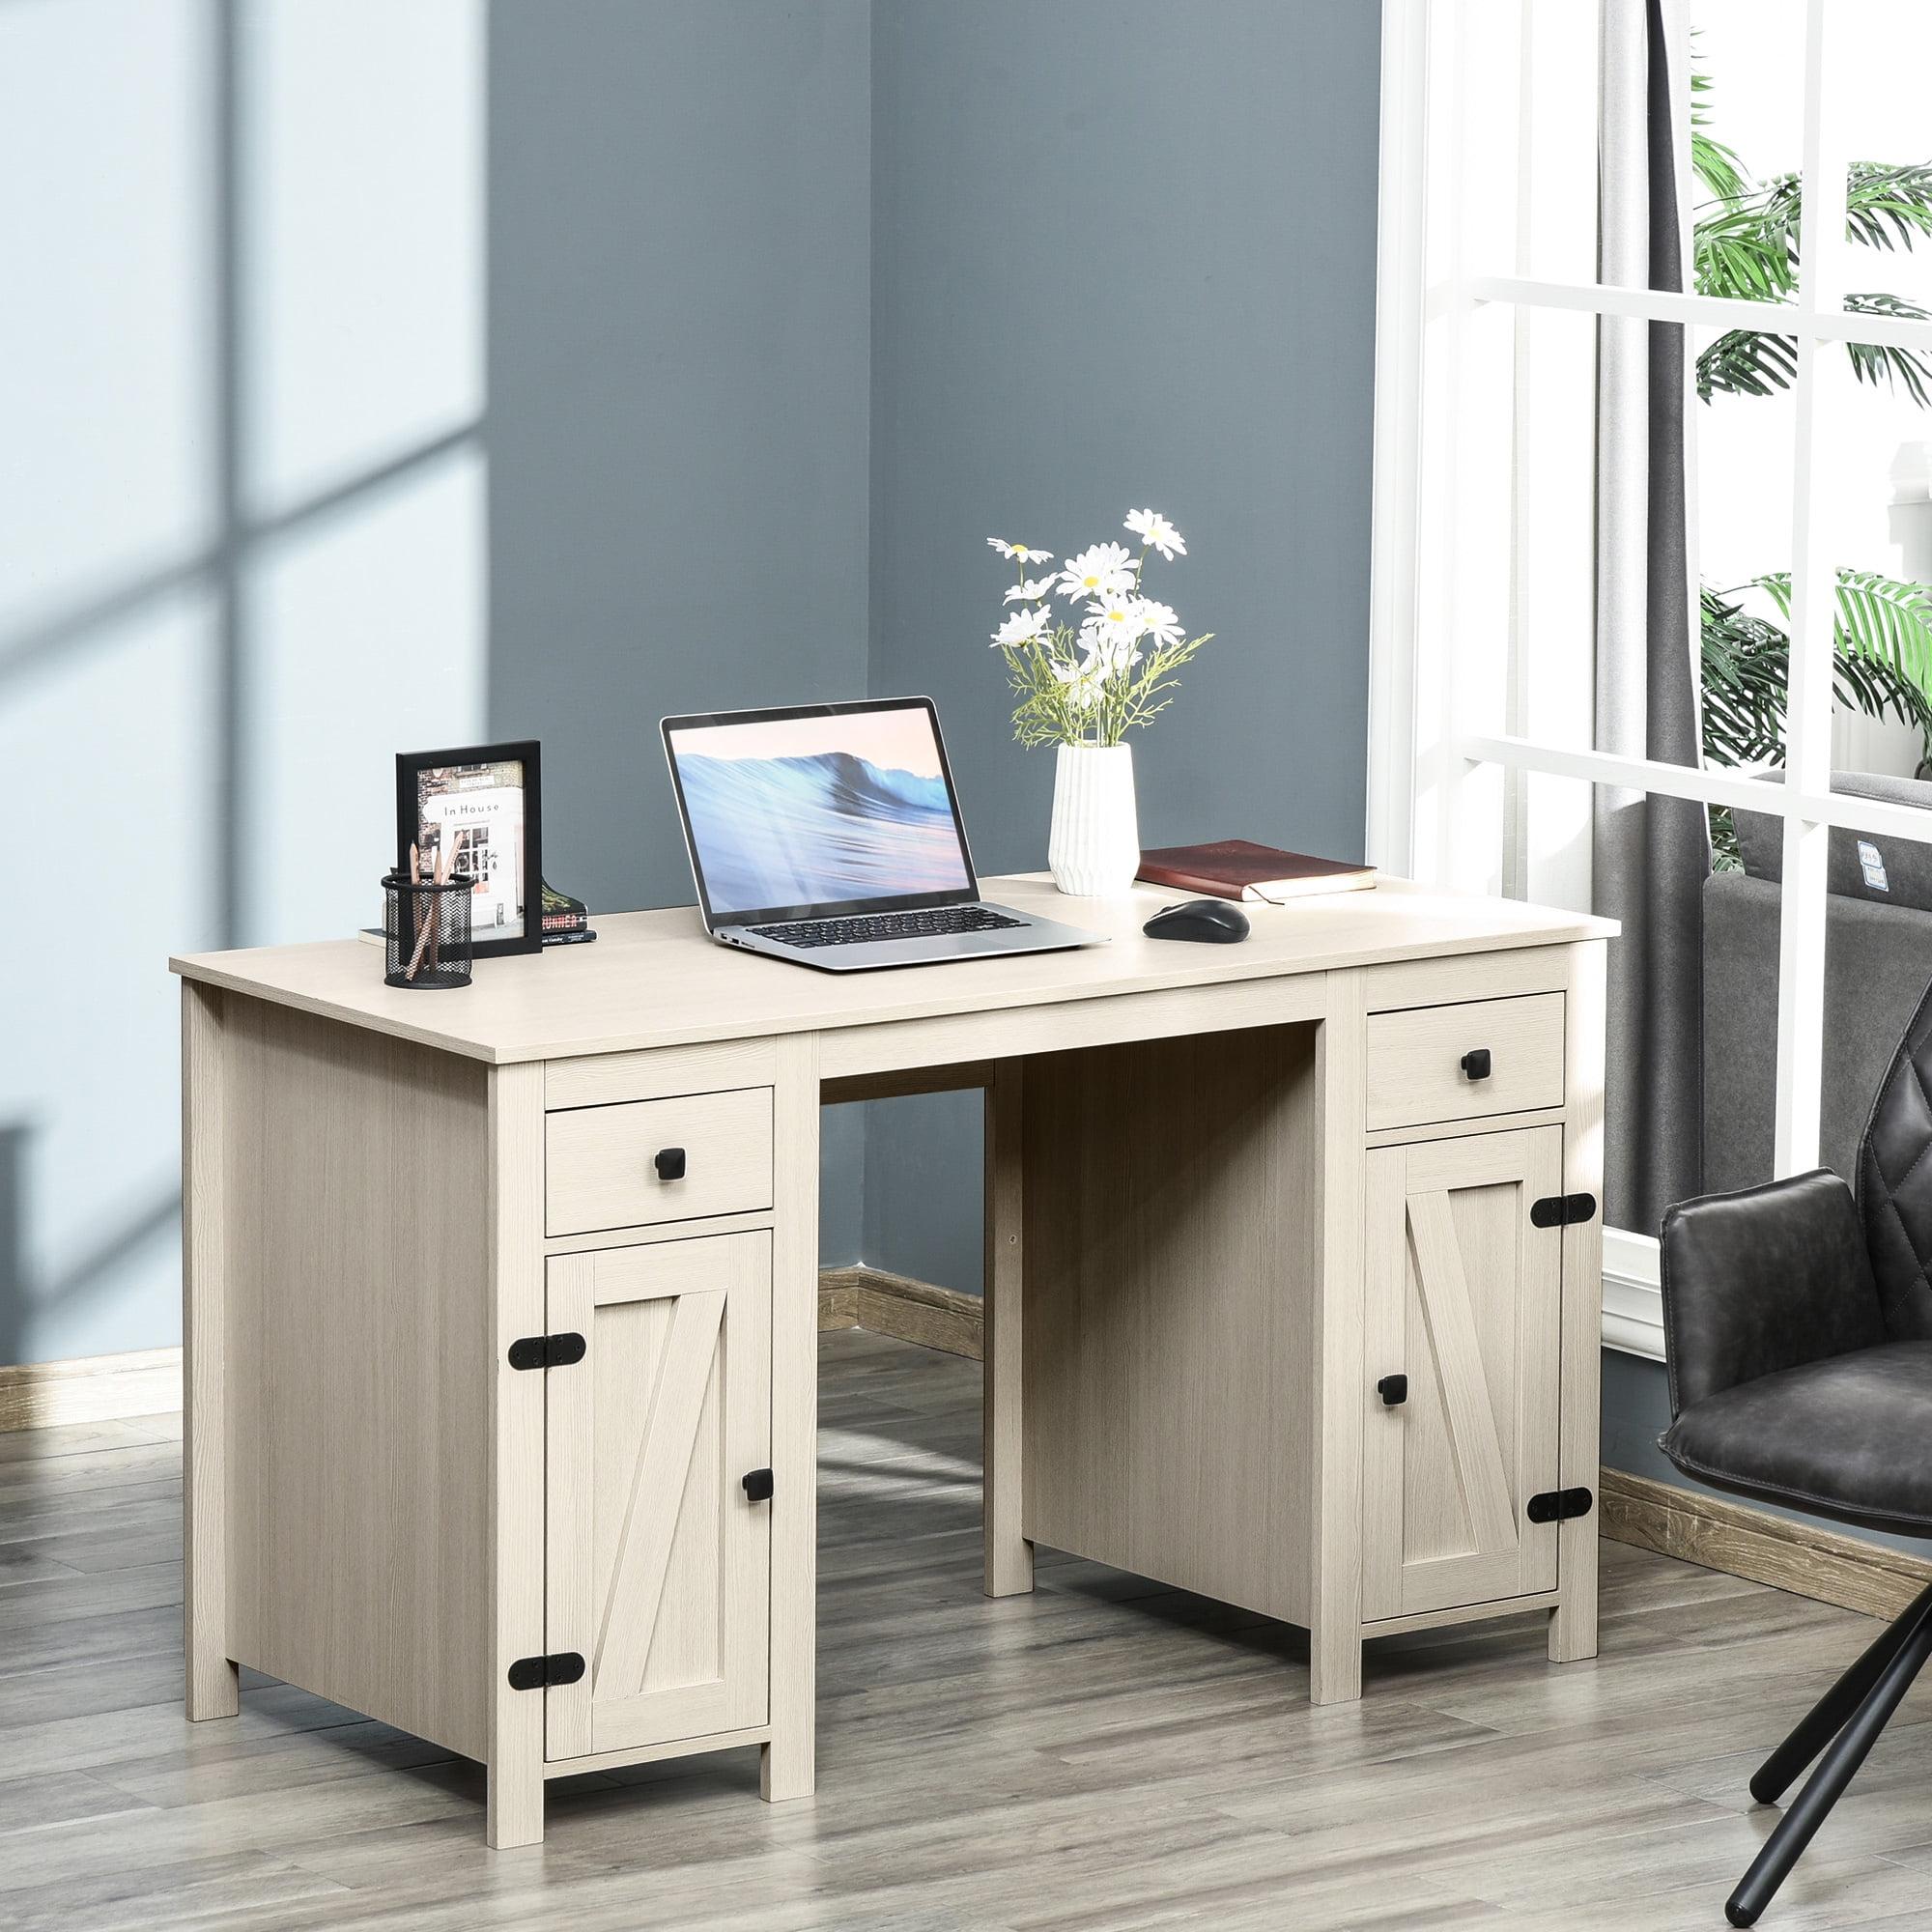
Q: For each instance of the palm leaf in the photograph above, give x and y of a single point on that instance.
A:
(1907, 369)
(1715, 166)
(1746, 362)
(1877, 619)
(1744, 684)
(1889, 207)
(1746, 663)
(1736, 252)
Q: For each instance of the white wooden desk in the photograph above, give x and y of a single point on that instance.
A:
(495, 1298)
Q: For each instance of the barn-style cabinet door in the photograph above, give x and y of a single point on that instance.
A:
(1464, 1304)
(658, 1550)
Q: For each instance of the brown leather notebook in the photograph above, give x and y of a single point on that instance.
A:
(1237, 868)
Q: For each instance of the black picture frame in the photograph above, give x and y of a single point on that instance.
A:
(523, 752)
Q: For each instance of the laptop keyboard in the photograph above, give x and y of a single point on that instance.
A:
(867, 927)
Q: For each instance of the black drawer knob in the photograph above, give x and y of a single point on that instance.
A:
(1393, 1390)
(1476, 1063)
(758, 1486)
(669, 1163)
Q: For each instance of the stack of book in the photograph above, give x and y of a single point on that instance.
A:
(565, 921)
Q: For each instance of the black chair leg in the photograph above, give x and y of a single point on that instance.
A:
(1827, 1717)
(1827, 1784)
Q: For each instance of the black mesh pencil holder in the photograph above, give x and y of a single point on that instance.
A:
(426, 933)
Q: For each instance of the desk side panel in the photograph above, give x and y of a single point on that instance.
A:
(357, 1373)
(1171, 1239)
(1573, 1625)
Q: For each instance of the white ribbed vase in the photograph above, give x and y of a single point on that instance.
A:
(1095, 847)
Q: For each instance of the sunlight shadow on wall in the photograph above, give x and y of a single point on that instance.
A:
(241, 553)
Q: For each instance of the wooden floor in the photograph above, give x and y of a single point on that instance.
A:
(1101, 1754)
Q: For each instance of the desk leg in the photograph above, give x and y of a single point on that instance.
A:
(1335, 1628)
(1009, 1553)
(787, 1766)
(213, 1683)
(514, 1800)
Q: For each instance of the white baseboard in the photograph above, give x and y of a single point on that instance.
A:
(97, 1388)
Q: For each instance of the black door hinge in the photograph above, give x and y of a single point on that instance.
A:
(1562, 1211)
(1558, 1505)
(539, 1673)
(548, 1351)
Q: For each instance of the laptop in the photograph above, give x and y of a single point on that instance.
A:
(829, 834)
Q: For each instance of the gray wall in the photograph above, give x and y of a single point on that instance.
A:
(862, 194)
(1122, 254)
(679, 380)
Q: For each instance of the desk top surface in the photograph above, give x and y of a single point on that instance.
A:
(654, 979)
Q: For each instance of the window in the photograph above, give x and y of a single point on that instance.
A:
(1652, 532)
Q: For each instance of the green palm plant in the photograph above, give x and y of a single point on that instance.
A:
(1747, 660)
(1746, 247)
(1746, 239)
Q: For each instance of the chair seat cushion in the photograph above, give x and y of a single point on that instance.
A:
(1848, 1437)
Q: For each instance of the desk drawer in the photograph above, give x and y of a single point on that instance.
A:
(601, 1164)
(1416, 1074)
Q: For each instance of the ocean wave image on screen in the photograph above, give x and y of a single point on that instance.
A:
(775, 831)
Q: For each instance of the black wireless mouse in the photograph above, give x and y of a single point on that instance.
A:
(1210, 922)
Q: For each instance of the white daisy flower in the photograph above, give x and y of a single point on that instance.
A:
(1023, 627)
(1029, 592)
(1156, 532)
(1162, 625)
(1105, 571)
(1113, 626)
(1025, 552)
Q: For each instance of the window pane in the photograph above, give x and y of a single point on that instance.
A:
(1876, 62)
(1871, 481)
(1554, 619)
(1745, 104)
(1742, 445)
(1529, 201)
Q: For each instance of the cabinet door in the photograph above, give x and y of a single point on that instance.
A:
(1463, 1299)
(658, 1562)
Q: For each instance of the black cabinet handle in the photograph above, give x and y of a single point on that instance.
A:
(1476, 1063)
(669, 1163)
(1393, 1390)
(758, 1486)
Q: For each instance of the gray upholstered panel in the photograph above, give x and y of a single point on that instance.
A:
(1878, 960)
(1906, 869)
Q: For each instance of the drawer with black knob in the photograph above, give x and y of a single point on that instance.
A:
(645, 1161)
(1464, 1060)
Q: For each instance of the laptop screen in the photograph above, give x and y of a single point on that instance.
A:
(824, 809)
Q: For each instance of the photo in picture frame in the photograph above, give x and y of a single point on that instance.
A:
(486, 800)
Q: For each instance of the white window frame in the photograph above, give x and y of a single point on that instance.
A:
(1436, 764)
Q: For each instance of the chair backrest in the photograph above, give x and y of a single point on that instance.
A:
(1894, 1182)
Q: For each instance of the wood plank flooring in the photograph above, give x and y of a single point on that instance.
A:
(1101, 1754)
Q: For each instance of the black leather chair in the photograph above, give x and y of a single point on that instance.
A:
(1798, 1328)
